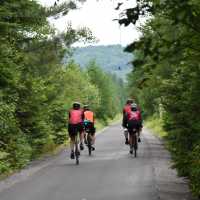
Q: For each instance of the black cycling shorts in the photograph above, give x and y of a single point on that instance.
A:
(74, 129)
(133, 124)
(90, 127)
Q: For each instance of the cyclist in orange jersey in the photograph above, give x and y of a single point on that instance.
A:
(89, 123)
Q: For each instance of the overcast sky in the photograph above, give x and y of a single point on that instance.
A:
(98, 17)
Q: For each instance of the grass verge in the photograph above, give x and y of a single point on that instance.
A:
(156, 125)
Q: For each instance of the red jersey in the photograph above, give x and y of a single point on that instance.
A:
(75, 116)
(134, 115)
(127, 108)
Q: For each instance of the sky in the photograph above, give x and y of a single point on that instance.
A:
(98, 17)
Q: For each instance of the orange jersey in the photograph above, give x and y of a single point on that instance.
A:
(89, 115)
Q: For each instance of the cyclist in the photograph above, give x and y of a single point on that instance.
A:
(133, 122)
(139, 121)
(126, 109)
(75, 126)
(89, 123)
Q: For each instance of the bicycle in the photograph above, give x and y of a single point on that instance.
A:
(89, 129)
(134, 140)
(89, 141)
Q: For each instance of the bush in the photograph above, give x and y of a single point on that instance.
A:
(195, 169)
(4, 165)
(20, 152)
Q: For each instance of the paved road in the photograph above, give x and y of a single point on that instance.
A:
(110, 174)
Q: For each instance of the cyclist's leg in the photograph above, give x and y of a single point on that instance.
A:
(124, 125)
(92, 130)
(72, 142)
(92, 134)
(126, 136)
(72, 133)
(130, 131)
(84, 133)
(134, 138)
(81, 135)
(139, 130)
(131, 138)
(85, 125)
(85, 137)
(93, 140)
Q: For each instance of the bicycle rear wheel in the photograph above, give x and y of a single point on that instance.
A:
(89, 144)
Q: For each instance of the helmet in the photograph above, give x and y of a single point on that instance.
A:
(76, 105)
(129, 101)
(86, 107)
(134, 107)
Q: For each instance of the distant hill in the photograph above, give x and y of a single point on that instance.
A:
(111, 58)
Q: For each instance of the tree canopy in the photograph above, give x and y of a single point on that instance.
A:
(36, 88)
(166, 74)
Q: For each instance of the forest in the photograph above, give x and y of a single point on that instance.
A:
(166, 76)
(37, 89)
(111, 58)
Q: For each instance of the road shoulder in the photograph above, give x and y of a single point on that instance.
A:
(168, 184)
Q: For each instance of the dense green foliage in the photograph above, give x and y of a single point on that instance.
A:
(111, 58)
(111, 89)
(36, 90)
(166, 77)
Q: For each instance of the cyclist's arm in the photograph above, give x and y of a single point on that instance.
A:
(123, 112)
(83, 116)
(125, 120)
(140, 115)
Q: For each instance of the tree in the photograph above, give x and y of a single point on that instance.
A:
(166, 73)
(32, 112)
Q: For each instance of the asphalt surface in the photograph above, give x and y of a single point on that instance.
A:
(111, 173)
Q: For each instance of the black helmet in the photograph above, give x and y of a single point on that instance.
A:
(76, 105)
(86, 107)
(134, 107)
(129, 101)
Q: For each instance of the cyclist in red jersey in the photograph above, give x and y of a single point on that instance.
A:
(139, 122)
(133, 123)
(126, 109)
(137, 111)
(75, 126)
